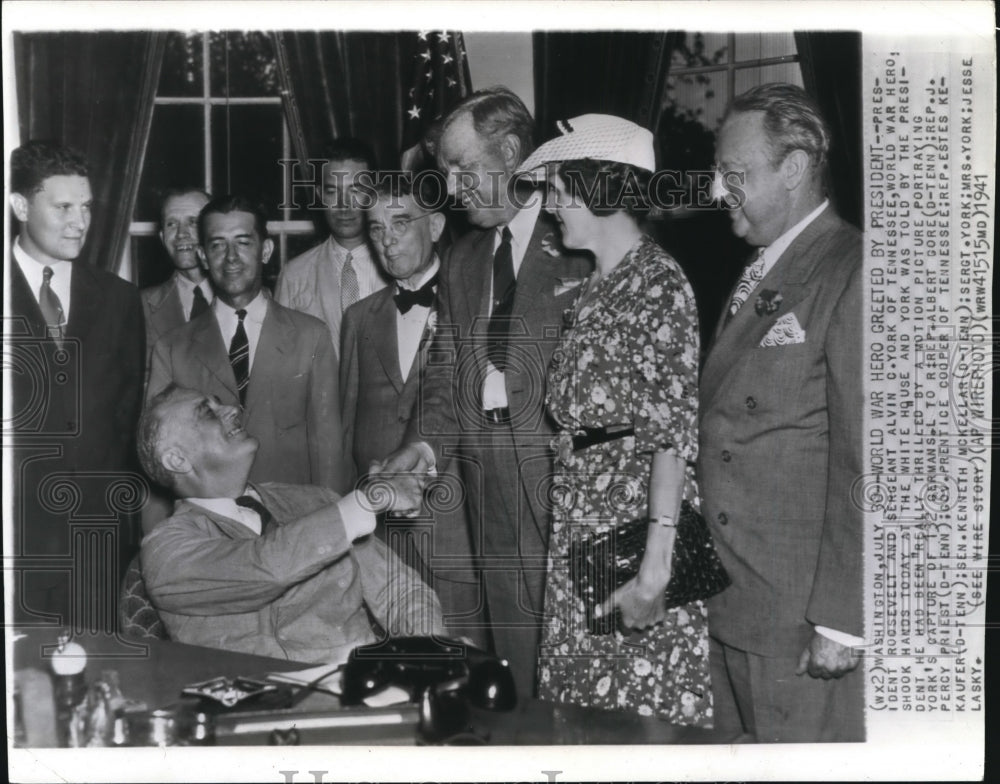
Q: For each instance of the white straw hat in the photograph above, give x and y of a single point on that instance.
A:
(601, 137)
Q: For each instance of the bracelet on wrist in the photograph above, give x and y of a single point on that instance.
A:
(664, 520)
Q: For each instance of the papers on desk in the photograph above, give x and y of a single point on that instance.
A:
(332, 684)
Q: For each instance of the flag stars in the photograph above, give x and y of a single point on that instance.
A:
(447, 58)
(414, 113)
(422, 35)
(444, 37)
(451, 82)
(426, 54)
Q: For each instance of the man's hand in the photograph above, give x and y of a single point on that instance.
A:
(409, 458)
(410, 465)
(825, 658)
(394, 492)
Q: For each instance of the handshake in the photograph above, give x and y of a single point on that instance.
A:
(396, 484)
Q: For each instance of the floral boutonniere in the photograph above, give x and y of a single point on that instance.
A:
(429, 328)
(551, 245)
(767, 303)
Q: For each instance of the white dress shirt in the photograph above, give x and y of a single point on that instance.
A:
(410, 326)
(357, 518)
(522, 226)
(252, 322)
(185, 290)
(62, 272)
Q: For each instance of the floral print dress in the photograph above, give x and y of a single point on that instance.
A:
(629, 358)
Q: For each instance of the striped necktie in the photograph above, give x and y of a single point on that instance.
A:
(239, 357)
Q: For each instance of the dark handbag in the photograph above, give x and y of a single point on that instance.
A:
(601, 563)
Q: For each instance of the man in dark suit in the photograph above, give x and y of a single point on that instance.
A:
(781, 403)
(188, 292)
(74, 335)
(385, 341)
(277, 363)
(502, 297)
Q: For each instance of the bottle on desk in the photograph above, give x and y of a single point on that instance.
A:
(69, 686)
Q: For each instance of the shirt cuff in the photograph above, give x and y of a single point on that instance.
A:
(842, 637)
(357, 518)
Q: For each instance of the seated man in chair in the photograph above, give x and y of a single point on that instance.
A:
(288, 571)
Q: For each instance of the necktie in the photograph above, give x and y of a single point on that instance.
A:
(249, 502)
(504, 288)
(752, 275)
(51, 307)
(239, 357)
(199, 305)
(424, 296)
(349, 292)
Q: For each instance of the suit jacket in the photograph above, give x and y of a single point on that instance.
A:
(292, 408)
(449, 409)
(299, 591)
(161, 306)
(73, 412)
(780, 448)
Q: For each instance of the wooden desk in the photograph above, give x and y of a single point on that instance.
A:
(155, 671)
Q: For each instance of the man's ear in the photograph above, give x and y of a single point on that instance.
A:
(510, 151)
(19, 204)
(175, 461)
(266, 250)
(437, 221)
(202, 258)
(794, 168)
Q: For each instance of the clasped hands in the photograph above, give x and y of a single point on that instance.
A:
(396, 484)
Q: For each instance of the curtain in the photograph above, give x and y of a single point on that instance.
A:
(620, 73)
(93, 92)
(345, 84)
(831, 71)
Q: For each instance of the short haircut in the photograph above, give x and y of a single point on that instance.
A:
(171, 193)
(223, 205)
(148, 435)
(496, 112)
(349, 148)
(791, 119)
(607, 186)
(427, 188)
(33, 163)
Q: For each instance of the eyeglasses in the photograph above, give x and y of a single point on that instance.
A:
(397, 228)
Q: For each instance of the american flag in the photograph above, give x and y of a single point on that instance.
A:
(440, 80)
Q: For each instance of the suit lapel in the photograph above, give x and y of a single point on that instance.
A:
(23, 301)
(477, 277)
(384, 336)
(207, 347)
(86, 301)
(788, 276)
(277, 338)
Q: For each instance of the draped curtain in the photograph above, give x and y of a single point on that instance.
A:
(831, 71)
(619, 73)
(344, 84)
(93, 92)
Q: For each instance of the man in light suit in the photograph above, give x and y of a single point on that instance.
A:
(502, 297)
(270, 569)
(73, 340)
(385, 341)
(780, 439)
(278, 364)
(188, 292)
(326, 280)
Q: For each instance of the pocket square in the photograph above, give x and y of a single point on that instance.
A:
(786, 332)
(566, 284)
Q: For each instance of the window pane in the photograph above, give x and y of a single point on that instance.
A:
(182, 63)
(250, 61)
(150, 260)
(783, 72)
(251, 167)
(700, 96)
(175, 157)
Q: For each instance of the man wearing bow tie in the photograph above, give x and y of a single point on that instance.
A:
(780, 437)
(279, 570)
(385, 341)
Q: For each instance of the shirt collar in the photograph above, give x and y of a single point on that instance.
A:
(340, 252)
(188, 286)
(429, 273)
(227, 507)
(256, 309)
(31, 268)
(522, 225)
(773, 252)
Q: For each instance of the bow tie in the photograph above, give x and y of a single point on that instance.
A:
(424, 296)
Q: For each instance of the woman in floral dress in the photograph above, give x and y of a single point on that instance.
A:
(624, 384)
